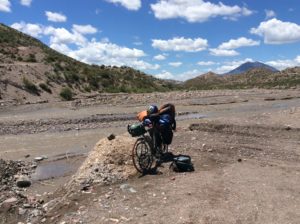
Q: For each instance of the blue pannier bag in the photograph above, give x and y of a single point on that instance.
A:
(165, 120)
(165, 129)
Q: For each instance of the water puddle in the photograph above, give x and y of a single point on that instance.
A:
(55, 169)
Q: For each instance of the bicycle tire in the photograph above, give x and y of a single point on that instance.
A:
(142, 156)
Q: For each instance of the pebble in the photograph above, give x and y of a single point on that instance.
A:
(39, 158)
(23, 182)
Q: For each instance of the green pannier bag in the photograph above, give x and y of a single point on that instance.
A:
(136, 129)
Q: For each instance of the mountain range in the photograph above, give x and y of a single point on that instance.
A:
(30, 71)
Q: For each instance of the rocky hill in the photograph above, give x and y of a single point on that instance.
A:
(254, 78)
(30, 71)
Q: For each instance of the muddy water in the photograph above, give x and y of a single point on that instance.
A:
(52, 144)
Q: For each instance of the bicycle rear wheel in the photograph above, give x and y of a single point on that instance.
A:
(141, 155)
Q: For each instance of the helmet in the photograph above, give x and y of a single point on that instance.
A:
(152, 109)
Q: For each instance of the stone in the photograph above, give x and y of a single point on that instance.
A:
(288, 127)
(7, 204)
(12, 200)
(23, 182)
(27, 206)
(22, 211)
(38, 158)
(111, 137)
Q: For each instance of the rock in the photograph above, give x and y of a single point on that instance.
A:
(26, 156)
(27, 206)
(8, 203)
(50, 204)
(36, 213)
(239, 160)
(288, 127)
(22, 211)
(38, 158)
(127, 187)
(12, 200)
(23, 182)
(111, 137)
(85, 187)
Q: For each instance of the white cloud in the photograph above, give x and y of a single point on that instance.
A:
(26, 2)
(237, 43)
(165, 75)
(188, 75)
(84, 29)
(175, 64)
(181, 44)
(270, 14)
(129, 4)
(223, 52)
(34, 30)
(283, 64)
(196, 10)
(76, 45)
(5, 6)
(60, 36)
(160, 57)
(228, 48)
(228, 66)
(275, 31)
(55, 17)
(206, 63)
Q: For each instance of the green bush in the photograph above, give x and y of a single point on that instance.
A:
(66, 94)
(30, 87)
(31, 58)
(45, 87)
(71, 77)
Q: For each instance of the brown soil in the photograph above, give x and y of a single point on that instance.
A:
(245, 152)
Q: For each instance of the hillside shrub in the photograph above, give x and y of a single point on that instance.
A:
(71, 77)
(45, 87)
(30, 86)
(66, 94)
(31, 58)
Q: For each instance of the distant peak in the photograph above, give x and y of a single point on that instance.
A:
(248, 66)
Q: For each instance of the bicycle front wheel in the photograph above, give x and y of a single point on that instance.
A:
(141, 155)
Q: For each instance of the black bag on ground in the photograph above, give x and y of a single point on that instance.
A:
(182, 163)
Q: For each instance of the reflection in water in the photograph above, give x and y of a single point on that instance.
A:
(53, 169)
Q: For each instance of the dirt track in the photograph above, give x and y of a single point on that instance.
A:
(246, 153)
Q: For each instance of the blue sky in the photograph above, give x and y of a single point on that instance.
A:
(173, 39)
